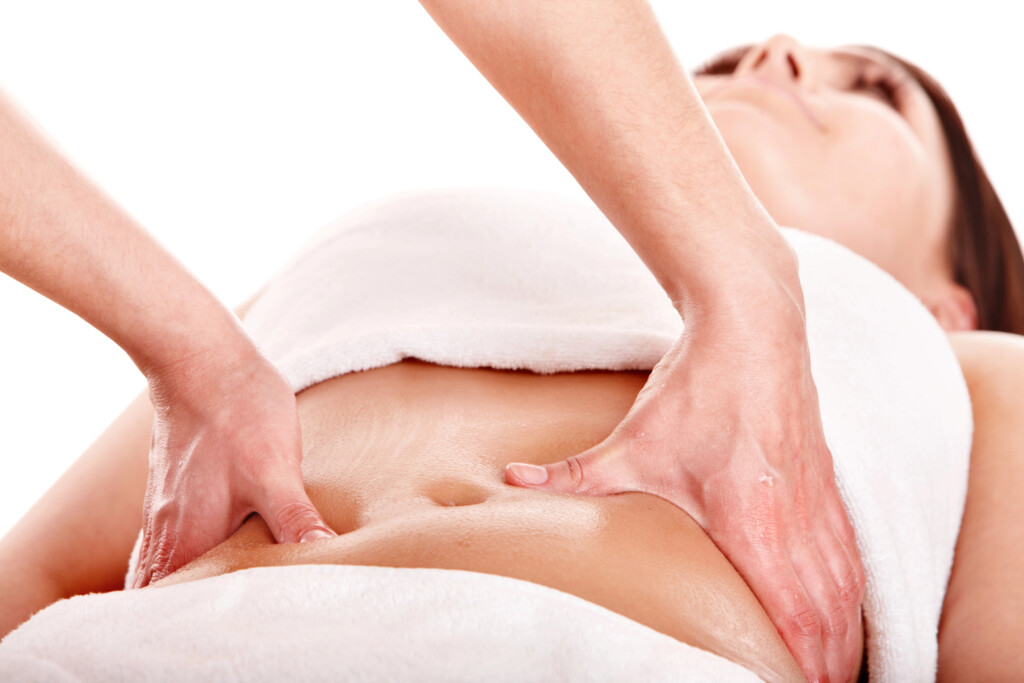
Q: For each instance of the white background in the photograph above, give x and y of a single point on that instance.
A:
(233, 130)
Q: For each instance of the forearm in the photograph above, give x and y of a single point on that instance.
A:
(77, 538)
(60, 235)
(599, 83)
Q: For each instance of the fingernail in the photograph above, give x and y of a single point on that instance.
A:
(316, 535)
(529, 474)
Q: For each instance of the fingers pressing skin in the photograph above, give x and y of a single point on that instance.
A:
(789, 606)
(225, 444)
(727, 428)
(289, 513)
(169, 544)
(596, 472)
(842, 560)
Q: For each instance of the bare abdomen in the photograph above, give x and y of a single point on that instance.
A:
(406, 463)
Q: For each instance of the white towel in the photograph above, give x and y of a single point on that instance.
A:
(343, 623)
(531, 280)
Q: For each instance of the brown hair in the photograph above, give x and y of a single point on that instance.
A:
(982, 246)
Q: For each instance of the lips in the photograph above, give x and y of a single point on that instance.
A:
(770, 86)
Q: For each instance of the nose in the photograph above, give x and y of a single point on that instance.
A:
(780, 58)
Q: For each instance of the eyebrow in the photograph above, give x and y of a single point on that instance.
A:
(867, 55)
(918, 99)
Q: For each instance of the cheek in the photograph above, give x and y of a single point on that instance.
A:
(868, 156)
(780, 156)
(862, 182)
(876, 173)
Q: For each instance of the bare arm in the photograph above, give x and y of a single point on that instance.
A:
(61, 236)
(733, 403)
(77, 538)
(226, 429)
(599, 84)
(981, 628)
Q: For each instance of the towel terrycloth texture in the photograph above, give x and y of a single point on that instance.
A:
(528, 280)
(344, 623)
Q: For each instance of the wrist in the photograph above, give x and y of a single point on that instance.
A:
(747, 277)
(176, 333)
(200, 359)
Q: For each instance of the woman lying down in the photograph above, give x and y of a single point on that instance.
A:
(434, 337)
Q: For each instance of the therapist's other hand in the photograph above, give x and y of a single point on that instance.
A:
(728, 428)
(226, 443)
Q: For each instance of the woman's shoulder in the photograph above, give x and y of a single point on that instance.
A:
(989, 355)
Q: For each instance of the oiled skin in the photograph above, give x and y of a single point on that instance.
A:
(406, 463)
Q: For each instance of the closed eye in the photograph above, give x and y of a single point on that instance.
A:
(887, 88)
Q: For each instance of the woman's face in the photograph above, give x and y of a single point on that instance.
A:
(842, 143)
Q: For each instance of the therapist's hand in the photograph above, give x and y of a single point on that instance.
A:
(226, 443)
(728, 428)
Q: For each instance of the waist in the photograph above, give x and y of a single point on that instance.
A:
(406, 463)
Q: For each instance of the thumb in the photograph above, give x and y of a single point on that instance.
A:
(291, 516)
(595, 472)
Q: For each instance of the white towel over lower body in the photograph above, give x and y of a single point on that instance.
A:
(346, 623)
(532, 281)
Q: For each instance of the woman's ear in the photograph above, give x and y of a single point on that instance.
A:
(953, 307)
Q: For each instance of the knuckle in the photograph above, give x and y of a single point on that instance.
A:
(147, 540)
(576, 472)
(804, 624)
(837, 622)
(161, 553)
(850, 587)
(861, 579)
